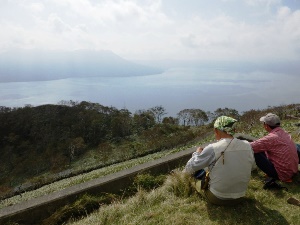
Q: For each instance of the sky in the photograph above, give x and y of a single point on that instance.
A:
(261, 38)
(249, 30)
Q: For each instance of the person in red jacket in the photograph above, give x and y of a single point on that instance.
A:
(275, 154)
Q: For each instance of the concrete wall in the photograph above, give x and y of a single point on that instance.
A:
(32, 211)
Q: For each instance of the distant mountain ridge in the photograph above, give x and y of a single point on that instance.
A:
(38, 65)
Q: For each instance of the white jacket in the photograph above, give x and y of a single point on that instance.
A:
(228, 180)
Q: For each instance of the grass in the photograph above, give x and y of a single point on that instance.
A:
(177, 203)
(174, 201)
(62, 184)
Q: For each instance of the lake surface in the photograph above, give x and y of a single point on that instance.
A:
(175, 89)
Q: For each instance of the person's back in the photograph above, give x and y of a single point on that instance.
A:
(286, 156)
(228, 162)
(230, 176)
(276, 153)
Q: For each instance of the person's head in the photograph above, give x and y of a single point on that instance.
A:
(224, 126)
(270, 121)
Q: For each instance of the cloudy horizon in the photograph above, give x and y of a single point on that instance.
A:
(259, 30)
(234, 39)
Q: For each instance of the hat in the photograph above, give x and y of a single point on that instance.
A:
(226, 124)
(271, 119)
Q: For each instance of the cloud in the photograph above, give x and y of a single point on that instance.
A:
(57, 24)
(262, 2)
(250, 29)
(189, 41)
(222, 36)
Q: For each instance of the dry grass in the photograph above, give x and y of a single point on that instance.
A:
(177, 203)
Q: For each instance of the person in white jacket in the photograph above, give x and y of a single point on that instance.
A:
(229, 162)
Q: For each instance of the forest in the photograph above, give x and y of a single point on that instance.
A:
(45, 141)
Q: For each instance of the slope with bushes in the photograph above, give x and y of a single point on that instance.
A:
(43, 144)
(175, 202)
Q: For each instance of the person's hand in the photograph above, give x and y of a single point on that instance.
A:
(199, 149)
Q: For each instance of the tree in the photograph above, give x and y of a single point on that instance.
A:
(4, 109)
(227, 112)
(68, 103)
(170, 120)
(158, 112)
(250, 118)
(143, 120)
(76, 147)
(211, 116)
(192, 117)
(121, 124)
(199, 116)
(183, 116)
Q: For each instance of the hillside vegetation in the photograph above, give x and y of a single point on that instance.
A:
(39, 145)
(176, 202)
(170, 199)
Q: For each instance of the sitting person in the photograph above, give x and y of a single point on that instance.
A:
(275, 154)
(229, 162)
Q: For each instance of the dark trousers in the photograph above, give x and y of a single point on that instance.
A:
(298, 151)
(265, 165)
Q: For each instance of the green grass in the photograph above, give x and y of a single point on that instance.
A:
(61, 184)
(173, 201)
(177, 203)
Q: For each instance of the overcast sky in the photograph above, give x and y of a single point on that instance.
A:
(156, 29)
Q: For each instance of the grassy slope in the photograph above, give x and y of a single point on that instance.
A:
(59, 185)
(176, 202)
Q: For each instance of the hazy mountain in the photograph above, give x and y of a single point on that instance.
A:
(34, 65)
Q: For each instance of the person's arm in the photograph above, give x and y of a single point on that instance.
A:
(200, 159)
(261, 144)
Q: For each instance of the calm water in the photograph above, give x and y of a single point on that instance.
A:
(176, 89)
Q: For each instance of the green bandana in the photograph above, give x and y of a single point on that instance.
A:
(225, 123)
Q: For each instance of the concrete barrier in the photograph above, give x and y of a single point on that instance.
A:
(35, 210)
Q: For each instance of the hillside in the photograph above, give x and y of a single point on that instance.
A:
(59, 141)
(177, 203)
(38, 65)
(156, 206)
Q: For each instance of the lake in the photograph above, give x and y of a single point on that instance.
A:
(176, 89)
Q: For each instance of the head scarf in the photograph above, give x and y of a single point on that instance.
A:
(226, 124)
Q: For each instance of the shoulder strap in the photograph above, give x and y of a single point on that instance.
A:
(222, 154)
